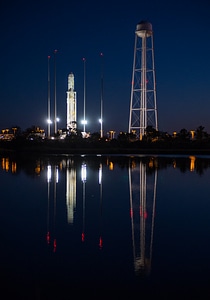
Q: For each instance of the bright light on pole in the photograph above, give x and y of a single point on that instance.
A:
(84, 122)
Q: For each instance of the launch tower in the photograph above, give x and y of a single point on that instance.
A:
(71, 104)
(143, 107)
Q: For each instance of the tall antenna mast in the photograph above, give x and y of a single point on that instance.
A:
(48, 116)
(101, 120)
(55, 117)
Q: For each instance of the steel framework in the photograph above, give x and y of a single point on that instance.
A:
(143, 106)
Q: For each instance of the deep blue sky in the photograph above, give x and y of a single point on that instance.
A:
(32, 30)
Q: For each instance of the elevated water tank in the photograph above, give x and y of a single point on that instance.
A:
(144, 29)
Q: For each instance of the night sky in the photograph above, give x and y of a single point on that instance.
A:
(32, 30)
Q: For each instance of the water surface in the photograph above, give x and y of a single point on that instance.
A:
(103, 226)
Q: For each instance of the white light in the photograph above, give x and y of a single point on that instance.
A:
(100, 175)
(57, 119)
(49, 121)
(83, 172)
(84, 122)
(49, 173)
(57, 175)
(100, 120)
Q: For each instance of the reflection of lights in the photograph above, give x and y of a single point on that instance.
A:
(38, 168)
(111, 166)
(49, 121)
(100, 183)
(54, 245)
(57, 175)
(48, 237)
(83, 237)
(83, 178)
(100, 243)
(49, 173)
(5, 164)
(100, 175)
(14, 167)
(83, 172)
(100, 121)
(192, 163)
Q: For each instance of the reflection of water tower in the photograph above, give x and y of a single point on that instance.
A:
(143, 108)
(142, 204)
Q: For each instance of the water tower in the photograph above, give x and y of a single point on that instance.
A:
(143, 107)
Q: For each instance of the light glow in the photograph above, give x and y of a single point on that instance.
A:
(49, 173)
(83, 172)
(84, 122)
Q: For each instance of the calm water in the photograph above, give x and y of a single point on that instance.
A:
(105, 227)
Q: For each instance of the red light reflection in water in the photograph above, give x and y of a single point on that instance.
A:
(48, 237)
(100, 243)
(83, 237)
(54, 245)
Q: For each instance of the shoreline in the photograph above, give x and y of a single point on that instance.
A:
(104, 151)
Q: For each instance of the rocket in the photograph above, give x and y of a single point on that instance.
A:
(71, 104)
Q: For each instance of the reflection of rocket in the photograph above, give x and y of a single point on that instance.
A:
(71, 104)
(70, 190)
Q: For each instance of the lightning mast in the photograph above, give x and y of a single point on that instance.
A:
(48, 108)
(101, 119)
(55, 92)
